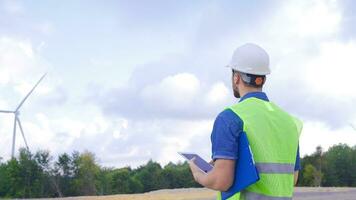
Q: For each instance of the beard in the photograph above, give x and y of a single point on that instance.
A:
(236, 93)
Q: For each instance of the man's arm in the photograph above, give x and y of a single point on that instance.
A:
(219, 178)
(224, 137)
(296, 173)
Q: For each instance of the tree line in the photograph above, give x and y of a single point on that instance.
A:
(79, 174)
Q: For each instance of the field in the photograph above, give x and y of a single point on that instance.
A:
(205, 194)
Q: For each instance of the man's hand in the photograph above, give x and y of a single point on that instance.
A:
(195, 170)
(219, 178)
(296, 173)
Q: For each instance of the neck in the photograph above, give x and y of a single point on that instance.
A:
(245, 90)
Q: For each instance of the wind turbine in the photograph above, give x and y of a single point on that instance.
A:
(17, 121)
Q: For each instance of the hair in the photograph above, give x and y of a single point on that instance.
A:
(256, 81)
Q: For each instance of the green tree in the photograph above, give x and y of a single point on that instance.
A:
(150, 176)
(340, 169)
(86, 173)
(105, 177)
(47, 183)
(317, 161)
(121, 181)
(178, 176)
(353, 166)
(311, 176)
(63, 175)
(10, 181)
(135, 185)
(21, 178)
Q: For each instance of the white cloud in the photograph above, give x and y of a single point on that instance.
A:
(188, 137)
(6, 124)
(218, 94)
(317, 133)
(314, 18)
(120, 132)
(332, 71)
(156, 139)
(302, 19)
(18, 61)
(3, 104)
(173, 92)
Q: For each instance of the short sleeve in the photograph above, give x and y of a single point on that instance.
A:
(224, 137)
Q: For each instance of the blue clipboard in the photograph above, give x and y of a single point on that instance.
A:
(245, 169)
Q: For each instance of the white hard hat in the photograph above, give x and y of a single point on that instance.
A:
(250, 59)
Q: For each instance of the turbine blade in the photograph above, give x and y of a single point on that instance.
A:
(13, 140)
(23, 101)
(6, 111)
(23, 135)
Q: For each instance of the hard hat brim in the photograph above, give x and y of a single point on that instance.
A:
(247, 72)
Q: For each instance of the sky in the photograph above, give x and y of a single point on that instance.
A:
(137, 80)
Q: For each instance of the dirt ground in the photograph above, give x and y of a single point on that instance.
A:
(205, 194)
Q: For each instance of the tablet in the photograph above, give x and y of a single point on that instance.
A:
(200, 162)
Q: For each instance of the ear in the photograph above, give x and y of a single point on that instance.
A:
(236, 78)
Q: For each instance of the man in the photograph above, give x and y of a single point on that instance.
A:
(273, 134)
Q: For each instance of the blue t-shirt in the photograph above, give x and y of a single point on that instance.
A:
(227, 128)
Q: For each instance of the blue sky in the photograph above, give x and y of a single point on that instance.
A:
(134, 80)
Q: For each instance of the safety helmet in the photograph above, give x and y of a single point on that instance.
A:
(250, 59)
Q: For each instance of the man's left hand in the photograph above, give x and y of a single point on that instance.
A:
(195, 170)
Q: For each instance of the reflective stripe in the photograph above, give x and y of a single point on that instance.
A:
(275, 168)
(246, 195)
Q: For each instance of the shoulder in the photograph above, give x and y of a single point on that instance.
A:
(229, 119)
(228, 115)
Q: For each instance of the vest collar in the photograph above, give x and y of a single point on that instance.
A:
(258, 95)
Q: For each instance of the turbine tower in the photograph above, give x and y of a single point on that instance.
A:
(17, 121)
